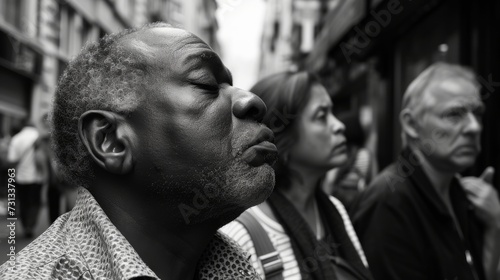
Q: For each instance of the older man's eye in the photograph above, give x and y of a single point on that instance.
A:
(455, 115)
(209, 88)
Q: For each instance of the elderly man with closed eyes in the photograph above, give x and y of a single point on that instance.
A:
(165, 151)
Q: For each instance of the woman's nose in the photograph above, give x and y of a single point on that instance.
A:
(337, 126)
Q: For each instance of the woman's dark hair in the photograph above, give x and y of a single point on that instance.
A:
(285, 95)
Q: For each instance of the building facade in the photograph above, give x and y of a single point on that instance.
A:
(290, 30)
(196, 16)
(38, 37)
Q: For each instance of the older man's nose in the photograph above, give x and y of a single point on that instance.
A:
(247, 105)
(473, 124)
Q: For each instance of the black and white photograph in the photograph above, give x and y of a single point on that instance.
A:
(249, 139)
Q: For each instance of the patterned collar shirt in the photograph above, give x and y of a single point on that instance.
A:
(84, 244)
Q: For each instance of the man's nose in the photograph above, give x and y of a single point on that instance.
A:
(247, 105)
(473, 123)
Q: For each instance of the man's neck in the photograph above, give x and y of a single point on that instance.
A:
(442, 183)
(440, 180)
(172, 249)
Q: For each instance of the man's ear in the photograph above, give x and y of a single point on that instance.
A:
(107, 139)
(408, 123)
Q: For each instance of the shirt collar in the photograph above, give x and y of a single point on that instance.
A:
(105, 250)
(108, 255)
(408, 163)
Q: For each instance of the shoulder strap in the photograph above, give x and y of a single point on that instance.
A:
(266, 253)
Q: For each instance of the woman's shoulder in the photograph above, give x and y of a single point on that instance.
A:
(262, 214)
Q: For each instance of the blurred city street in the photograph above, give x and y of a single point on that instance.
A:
(365, 53)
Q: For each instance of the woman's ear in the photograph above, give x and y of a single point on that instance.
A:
(408, 123)
(108, 140)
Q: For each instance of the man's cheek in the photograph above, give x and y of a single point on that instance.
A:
(440, 135)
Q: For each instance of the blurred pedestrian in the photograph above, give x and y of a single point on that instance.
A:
(22, 156)
(310, 233)
(5, 164)
(419, 219)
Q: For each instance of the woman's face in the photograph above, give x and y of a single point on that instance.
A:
(321, 142)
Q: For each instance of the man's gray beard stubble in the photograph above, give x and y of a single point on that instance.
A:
(229, 189)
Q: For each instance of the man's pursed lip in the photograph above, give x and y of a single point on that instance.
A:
(261, 149)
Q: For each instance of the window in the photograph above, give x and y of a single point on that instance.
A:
(11, 12)
(87, 32)
(75, 35)
(64, 29)
(74, 31)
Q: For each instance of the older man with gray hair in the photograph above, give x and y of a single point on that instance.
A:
(419, 219)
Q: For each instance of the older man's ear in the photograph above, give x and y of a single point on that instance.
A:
(408, 123)
(107, 137)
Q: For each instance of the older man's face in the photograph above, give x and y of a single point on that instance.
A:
(450, 128)
(195, 131)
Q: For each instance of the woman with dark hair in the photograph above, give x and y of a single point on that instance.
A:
(310, 231)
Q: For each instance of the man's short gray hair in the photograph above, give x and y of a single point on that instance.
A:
(414, 96)
(104, 76)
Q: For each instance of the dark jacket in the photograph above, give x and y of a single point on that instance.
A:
(408, 233)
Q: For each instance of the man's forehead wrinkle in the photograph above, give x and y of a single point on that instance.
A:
(139, 47)
(190, 46)
(456, 86)
(449, 95)
(450, 88)
(162, 38)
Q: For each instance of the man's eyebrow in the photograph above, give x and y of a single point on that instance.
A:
(229, 76)
(194, 61)
(465, 106)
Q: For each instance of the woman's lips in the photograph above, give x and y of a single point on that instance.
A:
(263, 152)
(339, 149)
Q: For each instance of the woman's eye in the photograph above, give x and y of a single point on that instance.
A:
(322, 116)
